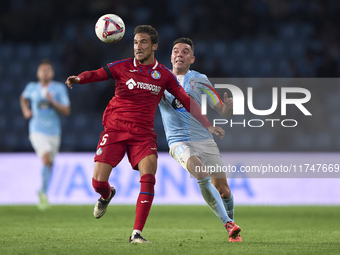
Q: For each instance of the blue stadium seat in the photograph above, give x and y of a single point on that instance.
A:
(24, 51)
(220, 49)
(265, 141)
(167, 32)
(229, 66)
(82, 121)
(277, 49)
(258, 48)
(239, 49)
(19, 123)
(301, 141)
(16, 68)
(333, 102)
(44, 51)
(288, 31)
(200, 47)
(6, 51)
(323, 140)
(3, 122)
(334, 122)
(247, 67)
(296, 49)
(7, 87)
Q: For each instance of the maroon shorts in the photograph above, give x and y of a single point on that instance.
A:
(112, 146)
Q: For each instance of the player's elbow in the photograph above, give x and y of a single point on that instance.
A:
(67, 111)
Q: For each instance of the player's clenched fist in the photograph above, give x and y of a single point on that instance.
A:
(72, 80)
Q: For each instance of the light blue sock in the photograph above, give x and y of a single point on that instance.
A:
(229, 206)
(213, 199)
(46, 174)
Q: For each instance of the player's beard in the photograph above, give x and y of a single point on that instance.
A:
(141, 61)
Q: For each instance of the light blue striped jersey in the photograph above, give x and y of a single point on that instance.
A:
(179, 125)
(45, 118)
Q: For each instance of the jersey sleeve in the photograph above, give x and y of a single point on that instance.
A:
(206, 86)
(189, 103)
(27, 91)
(64, 98)
(93, 76)
(112, 70)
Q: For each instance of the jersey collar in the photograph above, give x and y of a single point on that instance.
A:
(154, 64)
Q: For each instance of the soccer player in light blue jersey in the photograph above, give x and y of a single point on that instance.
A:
(190, 144)
(47, 100)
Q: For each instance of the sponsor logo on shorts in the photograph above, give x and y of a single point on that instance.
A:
(155, 74)
(153, 149)
(99, 151)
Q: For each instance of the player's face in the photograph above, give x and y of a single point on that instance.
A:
(181, 58)
(144, 49)
(45, 73)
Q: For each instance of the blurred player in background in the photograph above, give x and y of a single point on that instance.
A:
(189, 142)
(129, 121)
(47, 100)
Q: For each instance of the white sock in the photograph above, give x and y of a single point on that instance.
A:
(135, 231)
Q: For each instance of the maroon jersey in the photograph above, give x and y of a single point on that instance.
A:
(139, 88)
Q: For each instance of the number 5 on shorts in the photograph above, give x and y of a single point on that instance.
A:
(104, 139)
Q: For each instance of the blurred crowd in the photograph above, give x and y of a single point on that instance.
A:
(250, 38)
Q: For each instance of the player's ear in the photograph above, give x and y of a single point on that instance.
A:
(192, 60)
(154, 46)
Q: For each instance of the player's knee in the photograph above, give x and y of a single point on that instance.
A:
(224, 191)
(150, 178)
(47, 160)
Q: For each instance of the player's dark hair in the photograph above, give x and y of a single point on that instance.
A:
(152, 32)
(184, 40)
(46, 61)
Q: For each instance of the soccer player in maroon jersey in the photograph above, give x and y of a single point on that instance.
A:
(128, 121)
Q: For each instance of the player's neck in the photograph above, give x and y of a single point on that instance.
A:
(45, 83)
(148, 61)
(180, 72)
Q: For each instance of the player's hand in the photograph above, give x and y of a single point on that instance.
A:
(227, 107)
(72, 80)
(49, 97)
(27, 113)
(217, 131)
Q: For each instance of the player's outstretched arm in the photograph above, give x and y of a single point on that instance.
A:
(87, 77)
(195, 110)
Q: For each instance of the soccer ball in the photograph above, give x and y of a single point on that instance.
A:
(110, 28)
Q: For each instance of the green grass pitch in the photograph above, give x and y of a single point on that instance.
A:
(172, 229)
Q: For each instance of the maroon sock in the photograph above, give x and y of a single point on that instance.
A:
(144, 200)
(103, 188)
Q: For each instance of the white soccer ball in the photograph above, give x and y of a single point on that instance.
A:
(110, 28)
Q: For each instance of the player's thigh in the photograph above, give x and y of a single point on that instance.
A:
(196, 168)
(139, 148)
(101, 171)
(148, 165)
(40, 143)
(181, 152)
(54, 141)
(211, 157)
(189, 159)
(111, 148)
